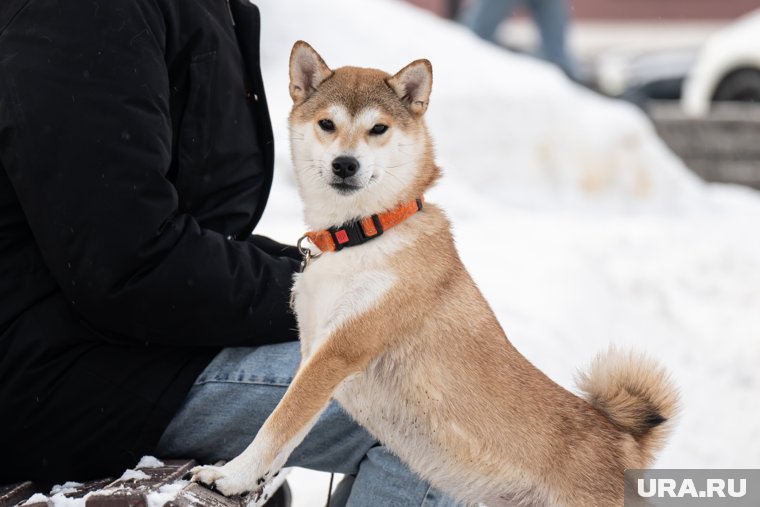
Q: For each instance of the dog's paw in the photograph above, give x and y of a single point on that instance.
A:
(225, 481)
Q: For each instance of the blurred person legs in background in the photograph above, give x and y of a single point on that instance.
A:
(551, 17)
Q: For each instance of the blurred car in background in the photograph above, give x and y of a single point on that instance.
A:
(725, 68)
(643, 76)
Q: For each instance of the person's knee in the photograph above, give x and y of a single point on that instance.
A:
(384, 480)
(230, 401)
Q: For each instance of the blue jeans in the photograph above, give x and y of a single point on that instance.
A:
(232, 398)
(551, 17)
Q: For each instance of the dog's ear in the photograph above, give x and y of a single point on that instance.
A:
(413, 84)
(307, 71)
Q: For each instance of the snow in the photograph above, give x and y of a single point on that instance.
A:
(65, 488)
(534, 147)
(37, 497)
(57, 500)
(158, 498)
(165, 494)
(134, 475)
(579, 225)
(149, 462)
(58, 497)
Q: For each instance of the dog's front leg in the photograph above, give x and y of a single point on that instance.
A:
(306, 398)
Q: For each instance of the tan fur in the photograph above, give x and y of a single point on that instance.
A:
(634, 393)
(426, 367)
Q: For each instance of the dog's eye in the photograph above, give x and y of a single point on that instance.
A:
(378, 129)
(327, 125)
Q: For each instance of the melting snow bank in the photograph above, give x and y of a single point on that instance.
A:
(515, 128)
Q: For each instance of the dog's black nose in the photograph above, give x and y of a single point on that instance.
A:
(345, 166)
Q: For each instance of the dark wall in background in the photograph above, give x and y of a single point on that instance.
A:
(666, 9)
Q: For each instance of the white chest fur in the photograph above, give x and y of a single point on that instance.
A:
(339, 286)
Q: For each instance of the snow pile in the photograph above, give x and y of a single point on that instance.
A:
(134, 475)
(37, 497)
(58, 500)
(149, 462)
(66, 488)
(580, 227)
(514, 127)
(165, 494)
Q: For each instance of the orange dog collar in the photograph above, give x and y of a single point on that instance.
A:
(361, 231)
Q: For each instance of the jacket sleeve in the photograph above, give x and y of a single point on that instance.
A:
(85, 137)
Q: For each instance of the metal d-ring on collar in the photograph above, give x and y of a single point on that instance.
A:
(306, 254)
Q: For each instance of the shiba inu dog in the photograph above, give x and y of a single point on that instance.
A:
(394, 328)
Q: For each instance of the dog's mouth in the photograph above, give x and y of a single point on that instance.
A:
(351, 185)
(344, 188)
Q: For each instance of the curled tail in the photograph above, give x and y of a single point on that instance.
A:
(636, 395)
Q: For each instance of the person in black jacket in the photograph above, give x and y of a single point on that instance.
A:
(136, 158)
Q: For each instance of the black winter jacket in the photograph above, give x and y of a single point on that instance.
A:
(135, 160)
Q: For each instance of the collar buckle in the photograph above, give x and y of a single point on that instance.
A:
(355, 233)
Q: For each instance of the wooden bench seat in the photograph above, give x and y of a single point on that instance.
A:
(151, 484)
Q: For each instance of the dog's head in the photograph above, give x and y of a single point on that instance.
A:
(358, 139)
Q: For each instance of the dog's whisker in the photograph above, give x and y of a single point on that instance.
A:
(318, 160)
(400, 165)
(317, 168)
(415, 153)
(395, 166)
(395, 176)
